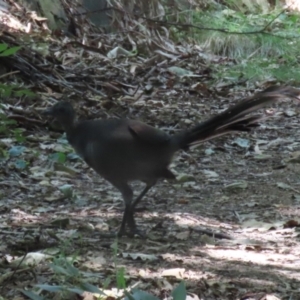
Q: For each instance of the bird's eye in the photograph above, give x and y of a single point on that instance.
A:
(62, 110)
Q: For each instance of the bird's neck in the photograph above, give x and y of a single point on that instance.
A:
(67, 124)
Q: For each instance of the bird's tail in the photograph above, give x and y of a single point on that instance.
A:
(236, 118)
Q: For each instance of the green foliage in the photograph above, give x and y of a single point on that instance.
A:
(67, 190)
(59, 157)
(282, 69)
(6, 51)
(18, 135)
(11, 90)
(14, 91)
(120, 276)
(120, 272)
(243, 41)
(7, 125)
(263, 45)
(179, 293)
(16, 151)
(70, 278)
(5, 122)
(64, 270)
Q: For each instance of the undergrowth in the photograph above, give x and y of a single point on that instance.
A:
(263, 44)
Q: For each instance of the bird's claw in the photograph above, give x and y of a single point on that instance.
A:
(136, 232)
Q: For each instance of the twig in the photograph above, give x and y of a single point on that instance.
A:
(16, 269)
(185, 25)
(217, 235)
(8, 74)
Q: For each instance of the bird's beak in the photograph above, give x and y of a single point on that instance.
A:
(48, 112)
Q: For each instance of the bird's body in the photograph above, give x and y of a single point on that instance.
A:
(122, 150)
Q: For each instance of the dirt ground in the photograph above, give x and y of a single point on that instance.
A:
(228, 228)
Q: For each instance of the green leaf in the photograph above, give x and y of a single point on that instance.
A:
(3, 154)
(76, 290)
(20, 93)
(128, 296)
(32, 295)
(179, 293)
(72, 270)
(10, 51)
(18, 135)
(67, 190)
(120, 276)
(58, 157)
(20, 138)
(7, 121)
(59, 269)
(91, 288)
(3, 47)
(5, 91)
(107, 281)
(50, 288)
(140, 295)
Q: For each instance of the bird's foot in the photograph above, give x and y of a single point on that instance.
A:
(136, 232)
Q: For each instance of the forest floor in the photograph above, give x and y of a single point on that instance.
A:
(229, 229)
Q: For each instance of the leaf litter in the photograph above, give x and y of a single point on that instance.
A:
(228, 227)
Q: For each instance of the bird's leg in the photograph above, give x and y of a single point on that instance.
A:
(127, 194)
(141, 195)
(130, 213)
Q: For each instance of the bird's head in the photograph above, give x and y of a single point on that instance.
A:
(63, 112)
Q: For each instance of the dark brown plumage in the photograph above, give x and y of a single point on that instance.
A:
(122, 150)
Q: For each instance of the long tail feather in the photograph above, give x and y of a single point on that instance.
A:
(235, 118)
